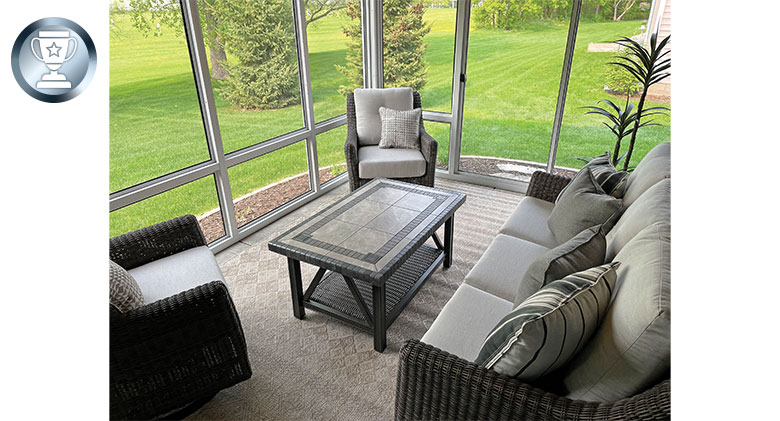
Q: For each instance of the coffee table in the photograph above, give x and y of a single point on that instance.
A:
(371, 252)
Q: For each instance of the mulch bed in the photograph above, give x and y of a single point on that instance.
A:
(507, 168)
(261, 202)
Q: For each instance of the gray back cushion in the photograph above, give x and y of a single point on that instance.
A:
(583, 204)
(631, 350)
(653, 206)
(367, 103)
(654, 167)
(585, 250)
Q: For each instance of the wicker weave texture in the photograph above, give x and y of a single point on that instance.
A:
(428, 147)
(546, 186)
(433, 384)
(148, 244)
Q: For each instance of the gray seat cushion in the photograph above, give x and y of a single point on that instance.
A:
(375, 162)
(174, 274)
(654, 167)
(583, 205)
(651, 207)
(500, 269)
(529, 222)
(367, 103)
(584, 251)
(630, 352)
(465, 321)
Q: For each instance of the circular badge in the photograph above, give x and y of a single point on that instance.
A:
(53, 59)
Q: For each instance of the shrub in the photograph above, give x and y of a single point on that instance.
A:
(619, 80)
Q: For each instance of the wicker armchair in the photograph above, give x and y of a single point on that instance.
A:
(434, 384)
(428, 147)
(178, 352)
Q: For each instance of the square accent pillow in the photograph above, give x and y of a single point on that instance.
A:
(585, 250)
(400, 129)
(123, 291)
(583, 204)
(551, 326)
(609, 178)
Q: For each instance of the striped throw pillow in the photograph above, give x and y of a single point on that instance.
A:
(609, 178)
(551, 326)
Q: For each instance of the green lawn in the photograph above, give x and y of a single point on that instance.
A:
(513, 77)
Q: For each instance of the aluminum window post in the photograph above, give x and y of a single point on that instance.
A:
(307, 102)
(373, 65)
(568, 57)
(206, 98)
(463, 17)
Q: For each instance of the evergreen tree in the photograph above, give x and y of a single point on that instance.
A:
(404, 48)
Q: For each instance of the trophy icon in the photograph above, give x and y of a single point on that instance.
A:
(54, 47)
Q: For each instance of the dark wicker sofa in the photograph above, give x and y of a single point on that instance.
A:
(434, 384)
(428, 147)
(179, 351)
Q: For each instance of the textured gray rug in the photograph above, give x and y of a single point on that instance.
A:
(319, 368)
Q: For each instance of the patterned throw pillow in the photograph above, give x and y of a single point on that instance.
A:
(585, 250)
(400, 129)
(124, 292)
(551, 326)
(609, 178)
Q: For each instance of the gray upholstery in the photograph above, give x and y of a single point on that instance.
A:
(583, 204)
(400, 129)
(367, 103)
(654, 205)
(374, 162)
(464, 321)
(177, 273)
(500, 270)
(631, 350)
(584, 251)
(654, 167)
(529, 222)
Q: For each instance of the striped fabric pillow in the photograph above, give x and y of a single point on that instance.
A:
(551, 326)
(609, 178)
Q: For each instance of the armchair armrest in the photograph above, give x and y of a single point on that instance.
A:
(433, 384)
(351, 144)
(429, 148)
(162, 352)
(546, 186)
(148, 244)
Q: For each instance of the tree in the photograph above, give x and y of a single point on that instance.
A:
(620, 7)
(318, 9)
(404, 48)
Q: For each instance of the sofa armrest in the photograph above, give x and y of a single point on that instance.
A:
(161, 353)
(148, 244)
(546, 186)
(433, 384)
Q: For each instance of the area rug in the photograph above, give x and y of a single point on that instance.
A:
(320, 368)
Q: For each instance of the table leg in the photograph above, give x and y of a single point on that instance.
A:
(448, 226)
(380, 330)
(296, 286)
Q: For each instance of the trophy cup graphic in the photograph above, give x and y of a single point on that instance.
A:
(54, 47)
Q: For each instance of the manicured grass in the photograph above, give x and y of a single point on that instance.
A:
(510, 102)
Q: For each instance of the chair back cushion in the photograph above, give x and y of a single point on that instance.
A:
(543, 332)
(654, 167)
(123, 291)
(367, 103)
(180, 272)
(651, 207)
(585, 250)
(583, 204)
(400, 129)
(630, 352)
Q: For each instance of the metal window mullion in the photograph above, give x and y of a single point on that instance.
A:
(208, 108)
(307, 102)
(460, 61)
(574, 22)
(371, 19)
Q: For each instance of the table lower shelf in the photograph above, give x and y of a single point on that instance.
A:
(332, 295)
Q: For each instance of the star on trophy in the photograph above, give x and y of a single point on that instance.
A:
(54, 47)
